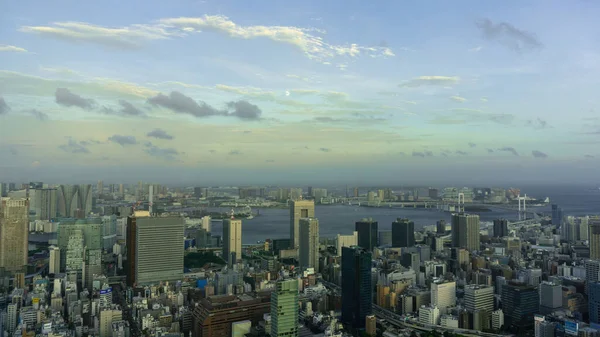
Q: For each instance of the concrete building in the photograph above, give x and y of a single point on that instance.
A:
(284, 309)
(443, 295)
(497, 319)
(156, 246)
(44, 203)
(299, 209)
(232, 240)
(309, 243)
(520, 302)
(594, 237)
(14, 234)
(74, 201)
(54, 263)
(465, 231)
(550, 297)
(345, 241)
(479, 297)
(429, 315)
(107, 317)
(73, 236)
(371, 326)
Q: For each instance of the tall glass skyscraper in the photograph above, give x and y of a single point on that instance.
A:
(284, 309)
(367, 233)
(403, 233)
(357, 289)
(557, 215)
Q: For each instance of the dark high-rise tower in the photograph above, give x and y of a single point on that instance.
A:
(520, 302)
(367, 233)
(357, 290)
(500, 228)
(594, 302)
(403, 233)
(557, 215)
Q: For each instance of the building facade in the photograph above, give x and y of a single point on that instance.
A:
(14, 234)
(299, 209)
(309, 243)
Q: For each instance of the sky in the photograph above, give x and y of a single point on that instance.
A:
(189, 91)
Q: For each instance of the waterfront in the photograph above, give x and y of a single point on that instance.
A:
(340, 219)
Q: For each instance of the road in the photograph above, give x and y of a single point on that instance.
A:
(402, 322)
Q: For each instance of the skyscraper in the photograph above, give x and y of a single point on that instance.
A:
(367, 233)
(74, 201)
(284, 309)
(156, 251)
(357, 289)
(44, 203)
(14, 234)
(557, 215)
(299, 209)
(500, 228)
(54, 267)
(519, 303)
(443, 295)
(100, 188)
(309, 243)
(594, 302)
(80, 241)
(594, 237)
(232, 240)
(403, 233)
(465, 231)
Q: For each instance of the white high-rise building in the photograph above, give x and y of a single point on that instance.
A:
(479, 297)
(11, 317)
(443, 295)
(497, 319)
(429, 315)
(54, 267)
(232, 240)
(44, 203)
(206, 223)
(107, 317)
(309, 243)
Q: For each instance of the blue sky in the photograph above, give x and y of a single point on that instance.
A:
(336, 90)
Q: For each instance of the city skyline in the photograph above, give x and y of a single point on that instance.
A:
(304, 91)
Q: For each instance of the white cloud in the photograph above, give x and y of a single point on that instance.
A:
(430, 80)
(458, 99)
(9, 48)
(61, 71)
(476, 49)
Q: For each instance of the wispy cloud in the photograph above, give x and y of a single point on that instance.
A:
(508, 35)
(67, 98)
(490, 150)
(589, 156)
(235, 153)
(122, 140)
(324, 149)
(458, 99)
(461, 153)
(169, 153)
(160, 134)
(509, 149)
(430, 80)
(472, 145)
(38, 114)
(537, 123)
(538, 154)
(422, 154)
(9, 48)
(74, 147)
(476, 49)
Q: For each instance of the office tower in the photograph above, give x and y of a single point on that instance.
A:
(355, 192)
(74, 201)
(44, 203)
(500, 228)
(367, 233)
(479, 297)
(154, 249)
(519, 303)
(80, 242)
(357, 289)
(14, 234)
(309, 243)
(107, 317)
(594, 302)
(594, 237)
(443, 295)
(284, 309)
(465, 231)
(299, 209)
(345, 241)
(550, 297)
(232, 240)
(403, 233)
(54, 267)
(441, 227)
(121, 189)
(557, 215)
(100, 188)
(592, 272)
(385, 238)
